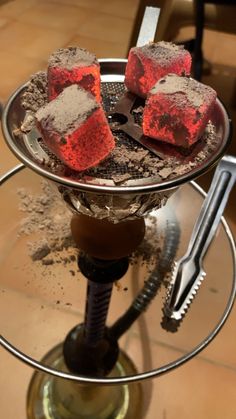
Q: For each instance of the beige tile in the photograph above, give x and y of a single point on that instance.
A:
(121, 8)
(147, 355)
(102, 49)
(14, 381)
(15, 8)
(104, 27)
(15, 70)
(31, 41)
(63, 18)
(87, 4)
(45, 324)
(223, 347)
(226, 43)
(197, 389)
(210, 44)
(185, 32)
(219, 48)
(3, 22)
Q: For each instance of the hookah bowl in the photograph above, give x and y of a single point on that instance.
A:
(108, 224)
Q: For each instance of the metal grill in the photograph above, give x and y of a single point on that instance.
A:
(111, 93)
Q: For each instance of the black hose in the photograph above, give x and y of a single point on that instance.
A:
(152, 285)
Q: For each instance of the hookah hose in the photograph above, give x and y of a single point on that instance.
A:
(153, 283)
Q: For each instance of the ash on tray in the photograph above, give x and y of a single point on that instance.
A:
(46, 214)
(149, 250)
(129, 160)
(36, 94)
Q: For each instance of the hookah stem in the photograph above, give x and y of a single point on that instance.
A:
(100, 274)
(97, 304)
(152, 285)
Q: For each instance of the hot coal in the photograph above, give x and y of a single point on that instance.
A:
(177, 110)
(73, 65)
(147, 64)
(75, 129)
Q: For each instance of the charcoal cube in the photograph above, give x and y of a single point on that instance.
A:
(147, 64)
(177, 110)
(74, 127)
(73, 65)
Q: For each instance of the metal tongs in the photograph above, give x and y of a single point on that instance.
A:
(188, 272)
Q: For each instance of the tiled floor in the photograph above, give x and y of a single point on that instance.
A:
(29, 31)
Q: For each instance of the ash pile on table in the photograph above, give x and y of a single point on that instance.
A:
(45, 214)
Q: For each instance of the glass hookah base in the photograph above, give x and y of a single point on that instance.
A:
(51, 397)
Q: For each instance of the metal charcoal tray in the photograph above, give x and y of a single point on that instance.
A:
(101, 179)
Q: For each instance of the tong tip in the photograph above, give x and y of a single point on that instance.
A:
(177, 304)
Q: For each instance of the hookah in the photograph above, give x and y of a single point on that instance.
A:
(88, 375)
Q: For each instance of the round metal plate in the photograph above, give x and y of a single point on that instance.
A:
(34, 310)
(112, 71)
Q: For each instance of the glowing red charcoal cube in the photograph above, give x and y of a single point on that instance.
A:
(177, 110)
(147, 64)
(75, 129)
(73, 65)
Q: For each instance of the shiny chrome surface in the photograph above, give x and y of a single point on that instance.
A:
(188, 273)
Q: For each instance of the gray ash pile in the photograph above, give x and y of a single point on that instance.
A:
(46, 215)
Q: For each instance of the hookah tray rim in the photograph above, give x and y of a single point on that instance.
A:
(112, 70)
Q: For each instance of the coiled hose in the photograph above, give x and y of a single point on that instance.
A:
(153, 283)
